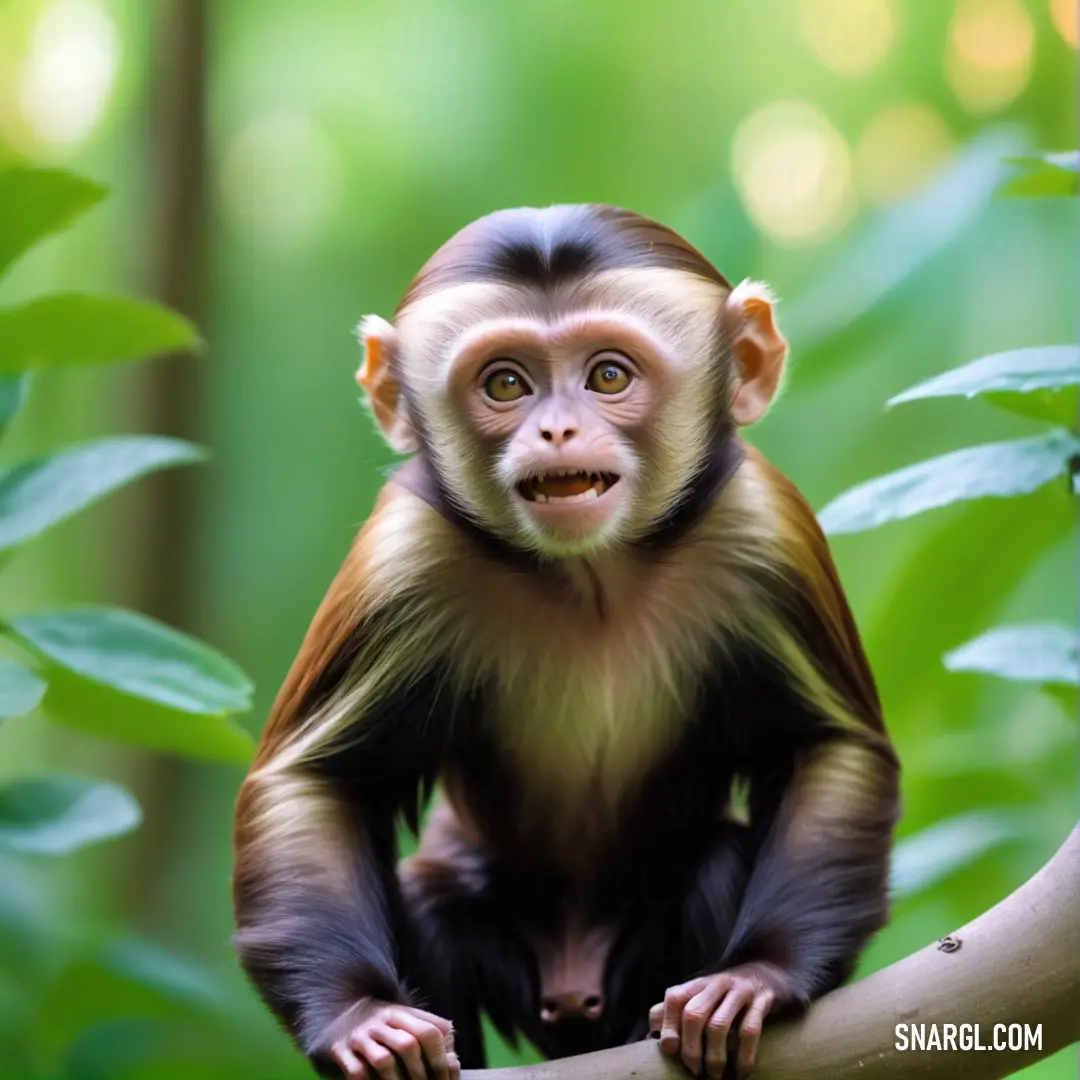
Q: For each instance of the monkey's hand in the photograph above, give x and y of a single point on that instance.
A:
(373, 1036)
(696, 1017)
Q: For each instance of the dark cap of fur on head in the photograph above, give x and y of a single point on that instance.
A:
(555, 245)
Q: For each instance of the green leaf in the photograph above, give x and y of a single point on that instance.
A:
(1066, 160)
(72, 328)
(908, 628)
(977, 472)
(99, 710)
(20, 690)
(12, 396)
(1048, 175)
(59, 814)
(35, 203)
(138, 656)
(1024, 380)
(1046, 183)
(38, 494)
(898, 242)
(930, 856)
(1056, 406)
(1037, 652)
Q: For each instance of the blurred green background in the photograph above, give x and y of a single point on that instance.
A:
(280, 169)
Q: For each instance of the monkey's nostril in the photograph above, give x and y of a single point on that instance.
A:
(549, 436)
(555, 1010)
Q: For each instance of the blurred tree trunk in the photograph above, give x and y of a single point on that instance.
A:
(177, 169)
(163, 579)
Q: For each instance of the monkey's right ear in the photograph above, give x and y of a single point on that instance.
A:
(759, 350)
(378, 380)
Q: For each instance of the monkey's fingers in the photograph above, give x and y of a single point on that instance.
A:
(695, 1016)
(738, 998)
(675, 1000)
(656, 1018)
(750, 1030)
(379, 1058)
(437, 1047)
(405, 1045)
(347, 1061)
(445, 1026)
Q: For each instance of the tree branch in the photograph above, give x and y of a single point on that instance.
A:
(1018, 963)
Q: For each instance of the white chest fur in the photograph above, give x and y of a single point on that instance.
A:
(588, 722)
(589, 671)
(593, 672)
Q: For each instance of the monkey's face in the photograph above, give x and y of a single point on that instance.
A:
(567, 423)
(557, 414)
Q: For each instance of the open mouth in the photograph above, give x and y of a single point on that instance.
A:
(566, 486)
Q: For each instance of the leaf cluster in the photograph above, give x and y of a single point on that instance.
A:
(1039, 383)
(115, 673)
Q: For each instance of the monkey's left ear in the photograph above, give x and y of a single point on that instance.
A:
(378, 380)
(759, 350)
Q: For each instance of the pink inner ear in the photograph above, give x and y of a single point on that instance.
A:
(749, 403)
(760, 350)
(372, 361)
(380, 385)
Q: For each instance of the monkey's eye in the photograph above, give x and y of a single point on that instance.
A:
(505, 385)
(608, 377)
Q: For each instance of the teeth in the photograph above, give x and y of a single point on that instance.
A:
(564, 500)
(584, 496)
(599, 484)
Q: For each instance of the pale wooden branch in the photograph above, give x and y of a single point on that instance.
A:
(1018, 963)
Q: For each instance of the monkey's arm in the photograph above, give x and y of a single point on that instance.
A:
(818, 888)
(817, 891)
(353, 738)
(823, 804)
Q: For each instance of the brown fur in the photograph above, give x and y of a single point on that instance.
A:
(587, 705)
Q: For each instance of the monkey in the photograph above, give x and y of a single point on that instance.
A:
(595, 644)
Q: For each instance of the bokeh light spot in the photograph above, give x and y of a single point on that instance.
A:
(1066, 19)
(850, 37)
(988, 61)
(281, 178)
(69, 73)
(793, 171)
(899, 149)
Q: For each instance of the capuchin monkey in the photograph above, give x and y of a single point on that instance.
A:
(612, 634)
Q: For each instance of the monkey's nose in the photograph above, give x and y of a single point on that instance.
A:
(580, 1004)
(556, 435)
